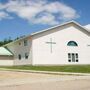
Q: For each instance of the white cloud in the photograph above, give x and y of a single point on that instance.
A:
(4, 15)
(65, 11)
(46, 18)
(30, 9)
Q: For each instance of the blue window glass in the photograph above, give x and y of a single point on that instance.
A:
(72, 43)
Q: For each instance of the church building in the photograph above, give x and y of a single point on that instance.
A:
(66, 44)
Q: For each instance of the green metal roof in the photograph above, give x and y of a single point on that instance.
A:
(4, 51)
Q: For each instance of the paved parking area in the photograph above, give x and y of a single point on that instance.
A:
(10, 80)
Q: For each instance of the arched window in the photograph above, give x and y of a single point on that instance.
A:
(72, 43)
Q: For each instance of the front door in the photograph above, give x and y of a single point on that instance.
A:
(72, 57)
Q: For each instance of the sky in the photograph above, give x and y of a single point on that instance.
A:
(22, 17)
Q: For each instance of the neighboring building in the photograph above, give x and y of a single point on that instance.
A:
(64, 44)
(6, 57)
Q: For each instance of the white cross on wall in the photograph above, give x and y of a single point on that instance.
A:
(51, 43)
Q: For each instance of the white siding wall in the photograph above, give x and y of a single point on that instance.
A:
(21, 49)
(41, 50)
(6, 62)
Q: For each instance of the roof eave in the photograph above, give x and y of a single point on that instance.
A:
(32, 34)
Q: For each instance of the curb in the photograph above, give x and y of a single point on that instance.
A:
(46, 72)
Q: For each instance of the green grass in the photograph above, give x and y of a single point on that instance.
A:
(68, 68)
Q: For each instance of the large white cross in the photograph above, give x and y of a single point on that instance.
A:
(51, 43)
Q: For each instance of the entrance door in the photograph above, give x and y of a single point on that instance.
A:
(72, 57)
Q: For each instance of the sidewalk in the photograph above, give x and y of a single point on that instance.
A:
(46, 72)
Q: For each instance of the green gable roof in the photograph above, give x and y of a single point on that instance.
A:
(4, 51)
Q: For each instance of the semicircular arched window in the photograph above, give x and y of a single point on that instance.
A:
(72, 43)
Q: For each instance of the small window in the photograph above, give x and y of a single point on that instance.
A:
(26, 55)
(19, 43)
(25, 43)
(77, 60)
(19, 57)
(69, 60)
(69, 55)
(76, 55)
(88, 45)
(72, 43)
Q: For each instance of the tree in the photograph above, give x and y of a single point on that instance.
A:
(5, 41)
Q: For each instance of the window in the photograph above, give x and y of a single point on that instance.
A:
(76, 55)
(72, 57)
(25, 43)
(19, 57)
(19, 43)
(26, 55)
(69, 57)
(72, 43)
(88, 45)
(69, 60)
(77, 60)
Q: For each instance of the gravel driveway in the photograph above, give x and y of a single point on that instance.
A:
(31, 81)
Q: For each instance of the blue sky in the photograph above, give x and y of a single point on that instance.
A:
(22, 17)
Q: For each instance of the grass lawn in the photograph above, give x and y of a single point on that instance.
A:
(68, 68)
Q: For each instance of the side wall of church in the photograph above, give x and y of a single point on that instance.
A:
(18, 48)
